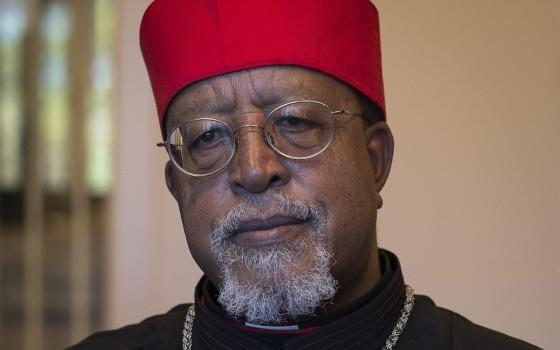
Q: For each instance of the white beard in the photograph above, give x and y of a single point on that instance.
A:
(279, 290)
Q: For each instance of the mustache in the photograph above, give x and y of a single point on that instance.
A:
(262, 207)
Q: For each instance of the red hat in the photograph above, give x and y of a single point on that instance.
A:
(185, 41)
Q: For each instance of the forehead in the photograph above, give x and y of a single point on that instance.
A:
(259, 88)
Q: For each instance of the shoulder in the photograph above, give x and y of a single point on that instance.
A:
(444, 329)
(156, 332)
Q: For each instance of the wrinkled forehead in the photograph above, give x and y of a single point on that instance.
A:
(263, 88)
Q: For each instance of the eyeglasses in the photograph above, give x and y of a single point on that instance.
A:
(297, 130)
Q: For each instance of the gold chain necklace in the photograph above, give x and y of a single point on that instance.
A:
(389, 343)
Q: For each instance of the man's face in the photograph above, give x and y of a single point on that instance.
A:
(267, 220)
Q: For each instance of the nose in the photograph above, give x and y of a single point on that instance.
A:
(256, 167)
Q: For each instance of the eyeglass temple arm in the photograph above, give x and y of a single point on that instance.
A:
(161, 144)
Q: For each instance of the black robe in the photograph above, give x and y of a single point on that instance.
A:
(365, 324)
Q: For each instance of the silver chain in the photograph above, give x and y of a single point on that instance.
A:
(389, 343)
(187, 329)
(403, 319)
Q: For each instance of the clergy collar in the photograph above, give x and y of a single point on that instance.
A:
(370, 317)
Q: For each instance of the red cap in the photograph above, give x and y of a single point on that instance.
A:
(185, 41)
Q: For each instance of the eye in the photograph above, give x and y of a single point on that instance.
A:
(209, 139)
(292, 123)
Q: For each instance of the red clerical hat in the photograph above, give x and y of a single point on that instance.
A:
(184, 41)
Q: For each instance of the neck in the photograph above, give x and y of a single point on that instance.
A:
(355, 284)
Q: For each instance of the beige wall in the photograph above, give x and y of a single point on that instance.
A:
(473, 203)
(472, 206)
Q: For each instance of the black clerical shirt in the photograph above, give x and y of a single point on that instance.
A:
(364, 324)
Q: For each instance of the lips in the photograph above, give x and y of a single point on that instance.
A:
(275, 229)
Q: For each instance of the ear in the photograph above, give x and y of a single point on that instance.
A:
(380, 145)
(169, 179)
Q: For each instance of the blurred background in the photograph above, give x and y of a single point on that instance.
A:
(57, 79)
(90, 239)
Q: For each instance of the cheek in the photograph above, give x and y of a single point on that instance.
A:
(199, 204)
(350, 200)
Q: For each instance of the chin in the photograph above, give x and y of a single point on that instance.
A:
(267, 274)
(271, 284)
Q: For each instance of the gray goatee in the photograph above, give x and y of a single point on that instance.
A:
(279, 290)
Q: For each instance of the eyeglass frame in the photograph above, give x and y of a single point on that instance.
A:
(167, 144)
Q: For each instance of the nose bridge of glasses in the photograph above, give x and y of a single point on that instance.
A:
(248, 134)
(251, 130)
(247, 122)
(252, 126)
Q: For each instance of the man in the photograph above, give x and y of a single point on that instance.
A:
(273, 116)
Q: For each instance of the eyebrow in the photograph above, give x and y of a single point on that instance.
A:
(198, 109)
